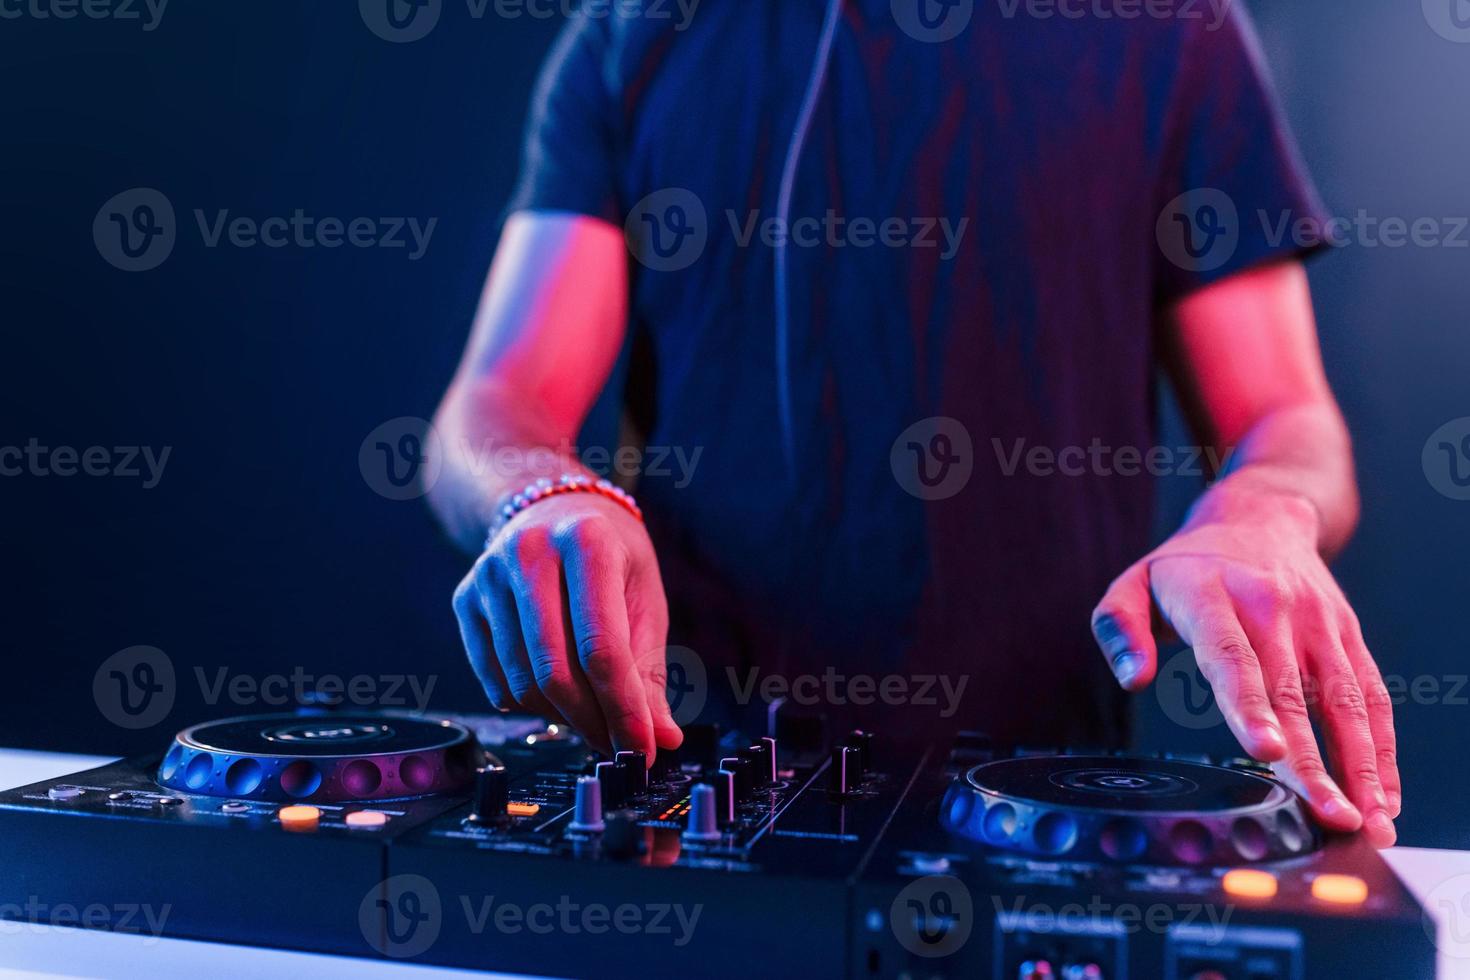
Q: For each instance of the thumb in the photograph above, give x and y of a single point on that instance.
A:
(1122, 624)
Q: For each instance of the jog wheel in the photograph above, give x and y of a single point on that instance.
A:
(325, 759)
(1128, 810)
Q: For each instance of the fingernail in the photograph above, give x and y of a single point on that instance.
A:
(1384, 826)
(1114, 642)
(1337, 806)
(1126, 667)
(1268, 732)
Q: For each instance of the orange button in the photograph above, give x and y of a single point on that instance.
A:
(1249, 883)
(366, 819)
(299, 817)
(523, 809)
(1340, 889)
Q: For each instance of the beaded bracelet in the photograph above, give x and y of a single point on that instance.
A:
(567, 483)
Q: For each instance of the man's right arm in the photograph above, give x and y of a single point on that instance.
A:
(563, 613)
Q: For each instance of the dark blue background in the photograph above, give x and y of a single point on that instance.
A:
(264, 549)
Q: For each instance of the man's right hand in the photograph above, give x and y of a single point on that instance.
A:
(564, 616)
(564, 613)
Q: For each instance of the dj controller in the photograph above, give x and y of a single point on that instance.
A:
(505, 844)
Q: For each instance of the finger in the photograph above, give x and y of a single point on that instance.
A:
(1380, 712)
(1232, 666)
(1343, 712)
(1122, 624)
(498, 607)
(648, 620)
(599, 618)
(1302, 766)
(535, 578)
(479, 646)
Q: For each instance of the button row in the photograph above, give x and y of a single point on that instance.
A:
(1334, 888)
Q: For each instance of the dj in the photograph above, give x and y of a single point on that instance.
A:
(978, 282)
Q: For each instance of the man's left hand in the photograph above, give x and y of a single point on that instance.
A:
(1243, 584)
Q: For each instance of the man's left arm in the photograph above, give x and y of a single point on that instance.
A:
(1244, 581)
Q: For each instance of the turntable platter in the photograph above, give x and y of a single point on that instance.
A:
(1157, 811)
(325, 759)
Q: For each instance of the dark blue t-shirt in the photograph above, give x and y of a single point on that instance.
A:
(992, 223)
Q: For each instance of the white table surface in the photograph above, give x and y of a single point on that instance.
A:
(1438, 878)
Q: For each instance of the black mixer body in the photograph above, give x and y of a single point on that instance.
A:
(410, 839)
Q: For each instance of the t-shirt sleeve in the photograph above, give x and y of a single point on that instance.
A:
(568, 161)
(1234, 192)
